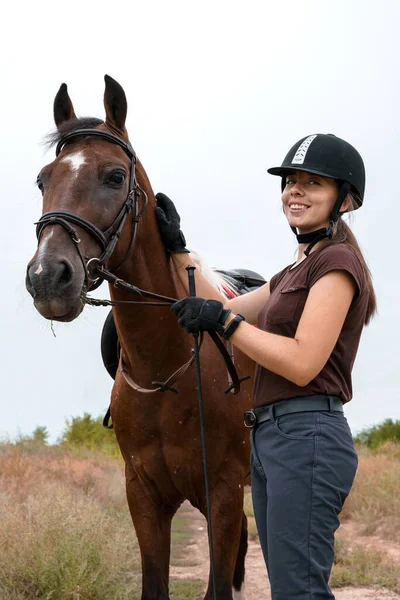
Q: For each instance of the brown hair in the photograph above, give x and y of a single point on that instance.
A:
(343, 234)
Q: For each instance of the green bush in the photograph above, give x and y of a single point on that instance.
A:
(373, 437)
(88, 433)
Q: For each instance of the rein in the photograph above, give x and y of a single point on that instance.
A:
(96, 268)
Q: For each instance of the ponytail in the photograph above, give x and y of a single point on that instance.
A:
(343, 234)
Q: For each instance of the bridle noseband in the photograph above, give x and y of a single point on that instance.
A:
(106, 239)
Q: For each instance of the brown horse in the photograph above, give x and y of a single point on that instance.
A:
(89, 190)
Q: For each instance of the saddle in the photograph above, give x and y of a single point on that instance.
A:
(244, 281)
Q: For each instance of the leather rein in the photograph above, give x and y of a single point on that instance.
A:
(96, 268)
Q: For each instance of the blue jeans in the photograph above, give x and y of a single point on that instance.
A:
(302, 468)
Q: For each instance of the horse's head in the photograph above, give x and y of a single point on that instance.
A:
(88, 191)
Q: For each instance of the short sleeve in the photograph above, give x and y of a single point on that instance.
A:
(338, 257)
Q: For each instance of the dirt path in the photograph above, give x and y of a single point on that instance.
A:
(256, 583)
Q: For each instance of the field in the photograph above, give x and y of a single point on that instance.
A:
(66, 531)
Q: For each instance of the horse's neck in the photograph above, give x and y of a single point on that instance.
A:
(149, 335)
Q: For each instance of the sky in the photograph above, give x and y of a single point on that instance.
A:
(218, 91)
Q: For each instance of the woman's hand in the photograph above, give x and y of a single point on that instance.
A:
(168, 220)
(196, 314)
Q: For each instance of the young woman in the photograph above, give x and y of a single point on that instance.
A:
(310, 317)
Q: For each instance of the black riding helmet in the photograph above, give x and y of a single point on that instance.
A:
(328, 156)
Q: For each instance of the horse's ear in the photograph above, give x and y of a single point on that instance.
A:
(63, 108)
(115, 104)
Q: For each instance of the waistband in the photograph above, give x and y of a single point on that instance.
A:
(294, 405)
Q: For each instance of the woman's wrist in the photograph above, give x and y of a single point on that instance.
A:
(229, 318)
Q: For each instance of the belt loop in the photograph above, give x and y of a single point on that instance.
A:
(330, 403)
(272, 413)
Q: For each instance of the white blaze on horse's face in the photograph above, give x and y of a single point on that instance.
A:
(42, 250)
(76, 160)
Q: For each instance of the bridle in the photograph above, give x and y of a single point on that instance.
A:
(108, 240)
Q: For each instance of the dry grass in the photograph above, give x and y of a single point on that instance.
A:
(374, 502)
(66, 533)
(359, 566)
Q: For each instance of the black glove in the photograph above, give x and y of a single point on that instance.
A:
(196, 314)
(169, 221)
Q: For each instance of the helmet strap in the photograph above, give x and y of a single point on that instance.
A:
(314, 237)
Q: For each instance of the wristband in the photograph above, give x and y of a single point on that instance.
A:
(232, 326)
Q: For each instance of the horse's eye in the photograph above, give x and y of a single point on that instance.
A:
(39, 183)
(117, 178)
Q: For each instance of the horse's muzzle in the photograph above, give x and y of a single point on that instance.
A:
(56, 287)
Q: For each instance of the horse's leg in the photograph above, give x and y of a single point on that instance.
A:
(226, 518)
(152, 522)
(238, 576)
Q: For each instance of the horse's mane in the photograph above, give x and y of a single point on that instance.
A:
(220, 281)
(52, 138)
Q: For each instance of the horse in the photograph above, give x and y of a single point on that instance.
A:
(98, 210)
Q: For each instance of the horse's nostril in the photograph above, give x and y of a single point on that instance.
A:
(64, 273)
(28, 283)
(51, 277)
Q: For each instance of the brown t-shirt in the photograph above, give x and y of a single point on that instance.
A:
(281, 315)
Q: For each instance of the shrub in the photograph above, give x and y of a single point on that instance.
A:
(88, 433)
(373, 437)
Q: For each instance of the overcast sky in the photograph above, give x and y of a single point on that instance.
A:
(217, 91)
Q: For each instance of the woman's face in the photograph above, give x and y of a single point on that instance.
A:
(308, 200)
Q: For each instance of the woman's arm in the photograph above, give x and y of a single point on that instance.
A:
(248, 305)
(301, 359)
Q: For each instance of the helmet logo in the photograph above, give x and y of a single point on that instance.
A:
(302, 150)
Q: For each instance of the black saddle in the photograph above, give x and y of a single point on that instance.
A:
(244, 281)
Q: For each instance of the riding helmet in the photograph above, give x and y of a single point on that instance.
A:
(329, 156)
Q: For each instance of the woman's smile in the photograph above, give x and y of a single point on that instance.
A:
(297, 208)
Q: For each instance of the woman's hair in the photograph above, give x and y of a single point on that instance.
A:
(343, 234)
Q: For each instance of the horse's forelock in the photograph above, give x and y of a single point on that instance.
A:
(52, 138)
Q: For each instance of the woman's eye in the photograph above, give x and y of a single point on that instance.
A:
(117, 178)
(289, 182)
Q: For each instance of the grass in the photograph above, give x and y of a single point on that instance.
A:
(181, 537)
(359, 566)
(186, 590)
(374, 502)
(66, 532)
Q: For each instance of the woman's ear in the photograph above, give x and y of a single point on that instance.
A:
(347, 204)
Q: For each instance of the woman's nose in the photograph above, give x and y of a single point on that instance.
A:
(296, 189)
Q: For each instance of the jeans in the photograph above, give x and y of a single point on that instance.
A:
(302, 468)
